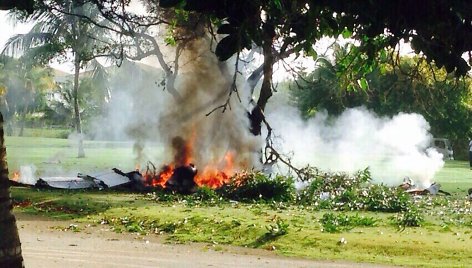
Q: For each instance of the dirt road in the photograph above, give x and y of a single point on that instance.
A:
(53, 244)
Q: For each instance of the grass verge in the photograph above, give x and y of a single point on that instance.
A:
(445, 240)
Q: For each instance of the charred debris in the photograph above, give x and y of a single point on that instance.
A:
(180, 180)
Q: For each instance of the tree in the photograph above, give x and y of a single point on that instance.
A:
(282, 27)
(297, 25)
(24, 88)
(56, 33)
(411, 85)
(92, 94)
(10, 246)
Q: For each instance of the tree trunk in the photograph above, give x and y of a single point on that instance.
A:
(10, 246)
(23, 121)
(81, 152)
(256, 116)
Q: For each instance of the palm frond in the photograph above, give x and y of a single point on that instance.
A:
(19, 43)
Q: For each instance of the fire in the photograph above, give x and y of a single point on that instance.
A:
(213, 176)
(15, 176)
(153, 178)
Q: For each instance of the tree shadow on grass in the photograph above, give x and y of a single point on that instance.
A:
(264, 239)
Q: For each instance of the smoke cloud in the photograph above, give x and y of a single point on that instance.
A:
(204, 85)
(167, 130)
(392, 147)
(27, 174)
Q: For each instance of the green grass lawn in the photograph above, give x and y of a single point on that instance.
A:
(53, 156)
(456, 176)
(445, 240)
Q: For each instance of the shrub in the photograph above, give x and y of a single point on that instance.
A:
(411, 217)
(279, 228)
(336, 185)
(333, 223)
(337, 190)
(205, 194)
(252, 186)
(386, 199)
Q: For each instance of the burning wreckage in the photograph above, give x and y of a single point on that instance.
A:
(181, 179)
(410, 187)
(181, 176)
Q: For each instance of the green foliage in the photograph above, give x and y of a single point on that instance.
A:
(279, 228)
(252, 186)
(58, 33)
(411, 217)
(23, 89)
(206, 194)
(299, 24)
(57, 133)
(332, 188)
(337, 190)
(339, 222)
(411, 85)
(382, 198)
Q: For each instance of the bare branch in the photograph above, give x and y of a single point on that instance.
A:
(233, 89)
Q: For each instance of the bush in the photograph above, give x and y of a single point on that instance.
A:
(337, 190)
(411, 217)
(386, 199)
(333, 183)
(279, 228)
(333, 189)
(205, 194)
(253, 186)
(333, 223)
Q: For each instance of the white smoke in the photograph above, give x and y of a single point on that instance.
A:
(141, 111)
(28, 174)
(133, 112)
(391, 147)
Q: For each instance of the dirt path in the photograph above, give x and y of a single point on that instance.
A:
(52, 244)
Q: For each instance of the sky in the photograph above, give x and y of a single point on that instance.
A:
(8, 28)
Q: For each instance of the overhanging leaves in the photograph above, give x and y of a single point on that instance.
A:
(227, 47)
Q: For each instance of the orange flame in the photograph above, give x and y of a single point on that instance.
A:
(151, 178)
(15, 176)
(213, 176)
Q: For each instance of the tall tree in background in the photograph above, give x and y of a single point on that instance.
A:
(93, 93)
(24, 88)
(411, 85)
(57, 33)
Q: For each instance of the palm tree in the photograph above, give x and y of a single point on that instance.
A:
(59, 31)
(10, 246)
(93, 94)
